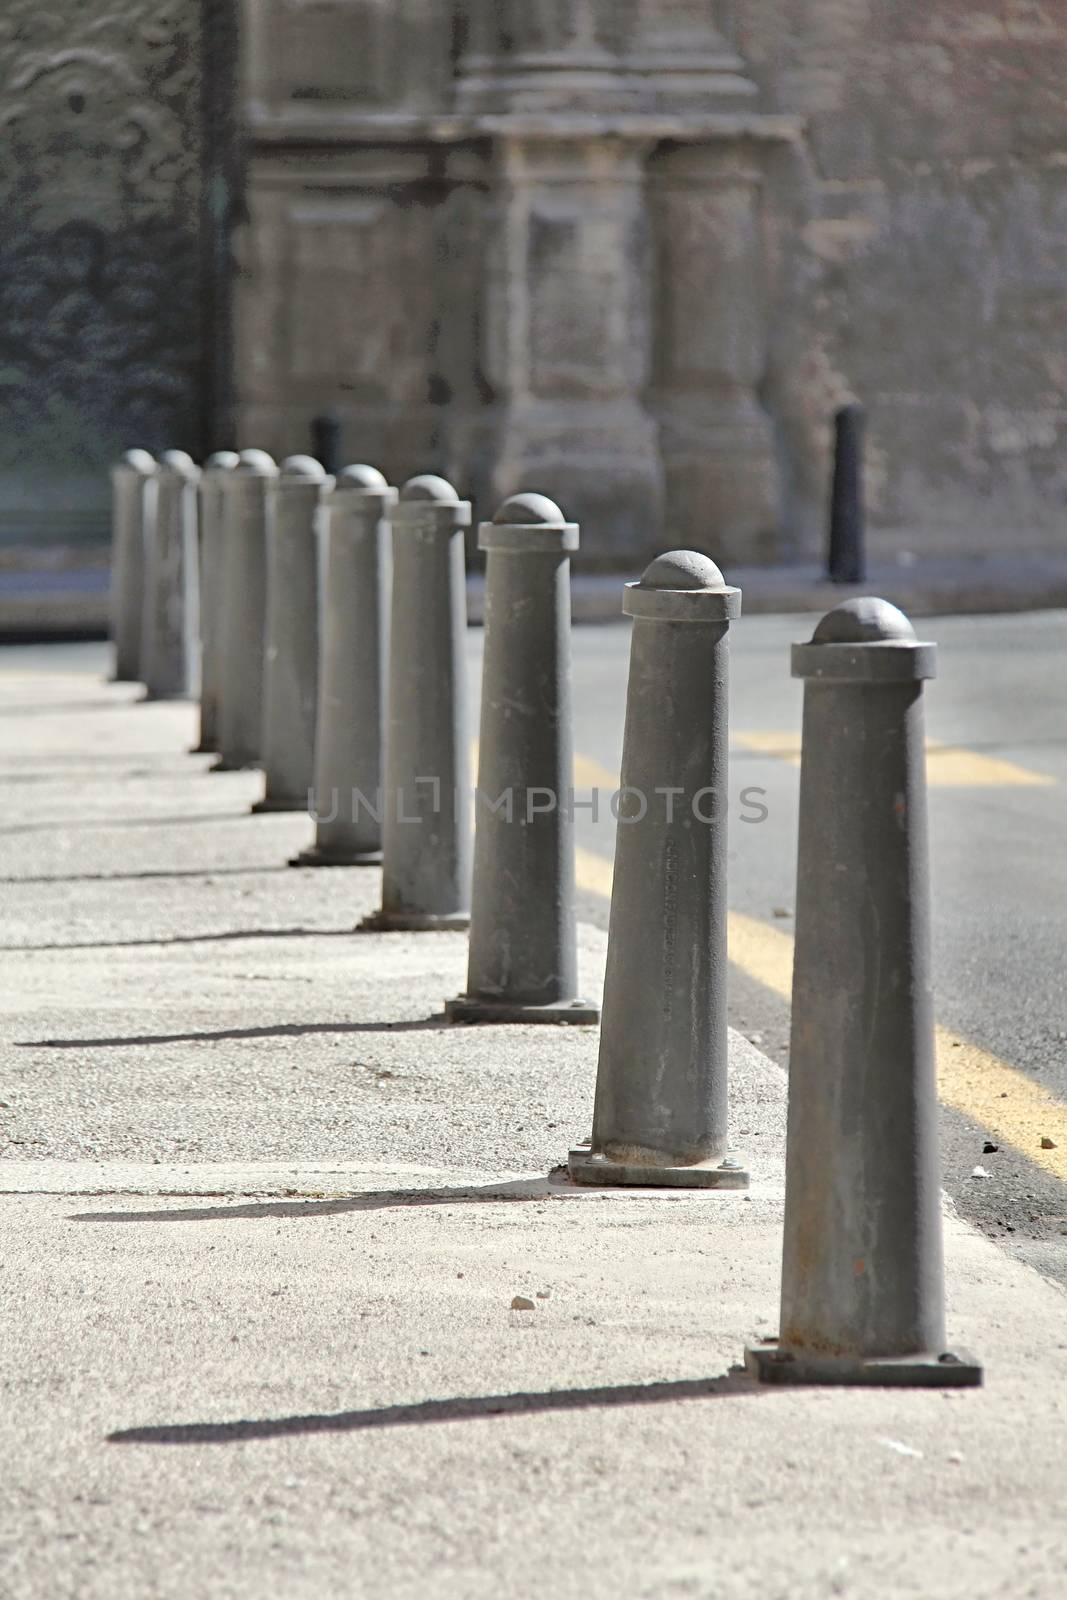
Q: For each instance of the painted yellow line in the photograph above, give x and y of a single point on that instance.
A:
(947, 766)
(1014, 1109)
(591, 775)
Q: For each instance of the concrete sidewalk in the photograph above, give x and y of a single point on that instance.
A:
(264, 1217)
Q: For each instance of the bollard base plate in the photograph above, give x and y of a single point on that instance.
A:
(267, 805)
(953, 1369)
(469, 1008)
(585, 1167)
(412, 922)
(314, 857)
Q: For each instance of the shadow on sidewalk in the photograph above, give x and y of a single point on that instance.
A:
(141, 877)
(465, 1408)
(187, 938)
(515, 1189)
(280, 1030)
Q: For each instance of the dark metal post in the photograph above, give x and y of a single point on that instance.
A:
(211, 618)
(848, 558)
(291, 639)
(171, 626)
(247, 507)
(862, 1276)
(660, 1114)
(326, 441)
(426, 835)
(132, 484)
(354, 652)
(523, 963)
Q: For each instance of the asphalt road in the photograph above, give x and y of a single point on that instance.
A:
(999, 856)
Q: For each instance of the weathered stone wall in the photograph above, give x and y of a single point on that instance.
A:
(922, 252)
(636, 251)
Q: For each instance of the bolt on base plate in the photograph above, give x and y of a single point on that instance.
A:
(314, 857)
(769, 1362)
(586, 1167)
(411, 922)
(469, 1008)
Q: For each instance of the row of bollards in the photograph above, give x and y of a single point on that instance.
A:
(333, 623)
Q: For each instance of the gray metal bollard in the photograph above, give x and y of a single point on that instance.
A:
(247, 508)
(862, 1276)
(132, 485)
(354, 651)
(660, 1114)
(170, 625)
(211, 617)
(291, 643)
(523, 964)
(426, 836)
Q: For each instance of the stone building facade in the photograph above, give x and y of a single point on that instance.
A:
(630, 252)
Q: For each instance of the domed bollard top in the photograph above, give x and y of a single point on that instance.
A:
(523, 947)
(353, 657)
(211, 620)
(247, 509)
(862, 1275)
(660, 1112)
(426, 846)
(291, 639)
(171, 627)
(132, 501)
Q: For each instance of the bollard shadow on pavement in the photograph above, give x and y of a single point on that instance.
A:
(554, 1186)
(184, 938)
(279, 1030)
(464, 1408)
(148, 873)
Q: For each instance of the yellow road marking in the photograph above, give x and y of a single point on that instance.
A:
(998, 1097)
(591, 775)
(947, 766)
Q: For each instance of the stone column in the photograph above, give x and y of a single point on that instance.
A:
(541, 55)
(709, 343)
(677, 58)
(569, 333)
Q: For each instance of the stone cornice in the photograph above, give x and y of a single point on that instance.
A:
(337, 128)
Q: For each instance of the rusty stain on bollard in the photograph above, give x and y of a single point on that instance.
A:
(660, 1113)
(862, 1274)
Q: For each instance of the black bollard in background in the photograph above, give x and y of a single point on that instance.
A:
(847, 561)
(326, 441)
